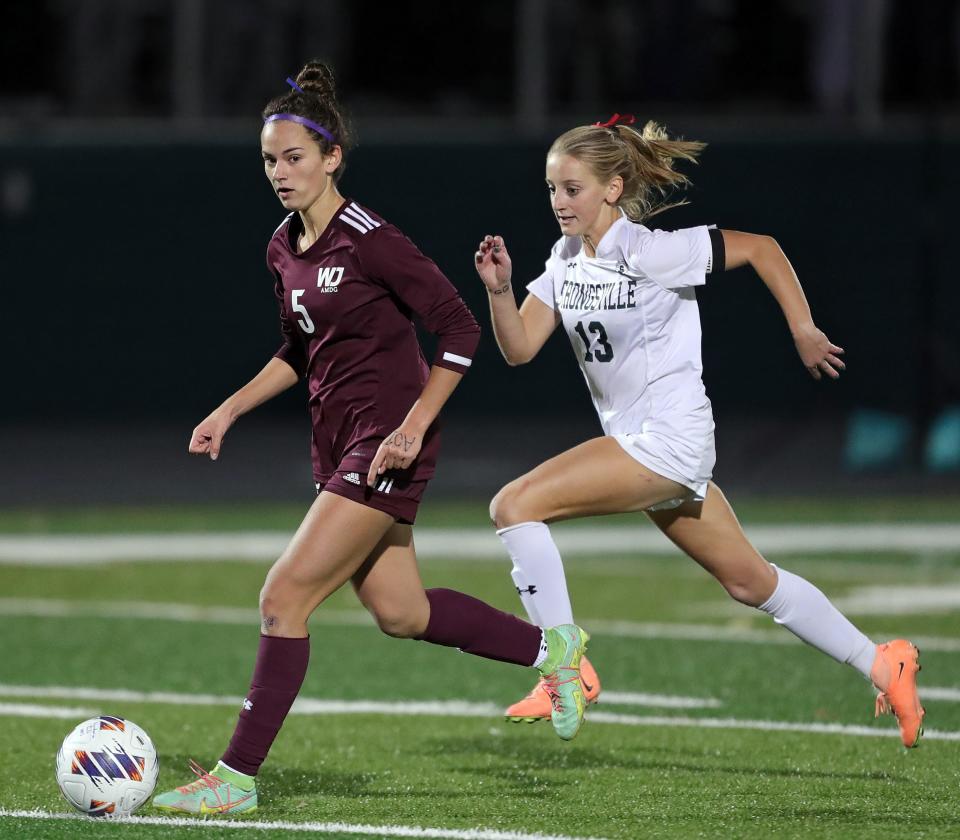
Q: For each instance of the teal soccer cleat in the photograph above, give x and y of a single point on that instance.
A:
(221, 791)
(560, 671)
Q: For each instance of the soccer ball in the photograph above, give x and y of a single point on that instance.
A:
(107, 767)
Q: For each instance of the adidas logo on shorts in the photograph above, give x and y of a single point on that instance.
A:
(386, 485)
(353, 478)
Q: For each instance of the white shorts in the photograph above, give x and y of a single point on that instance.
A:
(685, 461)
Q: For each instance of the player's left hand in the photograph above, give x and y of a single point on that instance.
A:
(397, 452)
(817, 352)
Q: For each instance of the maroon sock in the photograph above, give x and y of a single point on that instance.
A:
(277, 677)
(460, 621)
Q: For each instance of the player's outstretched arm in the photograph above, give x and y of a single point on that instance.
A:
(818, 353)
(275, 378)
(520, 333)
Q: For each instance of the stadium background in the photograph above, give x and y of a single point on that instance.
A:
(129, 176)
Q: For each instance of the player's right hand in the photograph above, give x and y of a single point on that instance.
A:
(493, 263)
(208, 436)
(817, 352)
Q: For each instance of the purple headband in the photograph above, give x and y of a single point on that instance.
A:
(303, 121)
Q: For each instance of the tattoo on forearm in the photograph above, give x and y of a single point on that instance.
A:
(402, 441)
(502, 290)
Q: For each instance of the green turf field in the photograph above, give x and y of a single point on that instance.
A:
(644, 766)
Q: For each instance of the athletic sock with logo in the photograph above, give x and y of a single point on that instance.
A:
(538, 573)
(807, 613)
(277, 677)
(462, 621)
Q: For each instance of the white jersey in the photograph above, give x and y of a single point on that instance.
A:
(632, 318)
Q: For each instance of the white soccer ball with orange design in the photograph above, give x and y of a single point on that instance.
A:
(107, 767)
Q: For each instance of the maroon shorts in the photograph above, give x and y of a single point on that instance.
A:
(394, 493)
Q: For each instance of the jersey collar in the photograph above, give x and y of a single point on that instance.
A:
(607, 246)
(295, 228)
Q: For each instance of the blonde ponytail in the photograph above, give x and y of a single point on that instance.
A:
(643, 159)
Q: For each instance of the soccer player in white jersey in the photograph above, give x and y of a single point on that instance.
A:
(625, 295)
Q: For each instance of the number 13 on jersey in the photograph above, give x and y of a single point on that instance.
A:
(604, 351)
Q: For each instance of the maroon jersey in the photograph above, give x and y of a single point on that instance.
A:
(346, 305)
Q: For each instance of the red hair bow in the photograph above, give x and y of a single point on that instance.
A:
(626, 119)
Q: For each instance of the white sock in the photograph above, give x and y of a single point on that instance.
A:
(523, 590)
(805, 611)
(543, 650)
(538, 573)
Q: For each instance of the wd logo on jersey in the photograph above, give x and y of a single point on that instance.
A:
(353, 478)
(328, 279)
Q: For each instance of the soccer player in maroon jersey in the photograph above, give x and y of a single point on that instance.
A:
(348, 283)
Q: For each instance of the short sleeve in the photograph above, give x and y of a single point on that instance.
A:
(673, 259)
(543, 287)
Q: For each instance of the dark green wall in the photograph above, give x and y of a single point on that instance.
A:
(110, 306)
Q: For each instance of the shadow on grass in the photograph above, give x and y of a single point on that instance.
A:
(281, 783)
(287, 783)
(525, 757)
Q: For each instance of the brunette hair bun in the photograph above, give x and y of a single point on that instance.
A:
(317, 101)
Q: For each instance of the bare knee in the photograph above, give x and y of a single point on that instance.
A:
(284, 608)
(273, 607)
(513, 505)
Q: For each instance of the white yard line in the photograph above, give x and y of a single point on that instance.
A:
(662, 701)
(141, 610)
(36, 710)
(947, 695)
(467, 543)
(737, 635)
(452, 708)
(900, 600)
(116, 695)
(310, 827)
(249, 616)
(763, 726)
(307, 706)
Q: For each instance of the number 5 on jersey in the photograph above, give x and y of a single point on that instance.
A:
(604, 352)
(305, 323)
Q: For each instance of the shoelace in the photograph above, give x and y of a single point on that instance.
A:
(552, 685)
(882, 706)
(204, 779)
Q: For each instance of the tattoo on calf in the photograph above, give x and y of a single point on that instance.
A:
(268, 623)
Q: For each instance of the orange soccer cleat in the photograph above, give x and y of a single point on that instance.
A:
(536, 705)
(894, 673)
